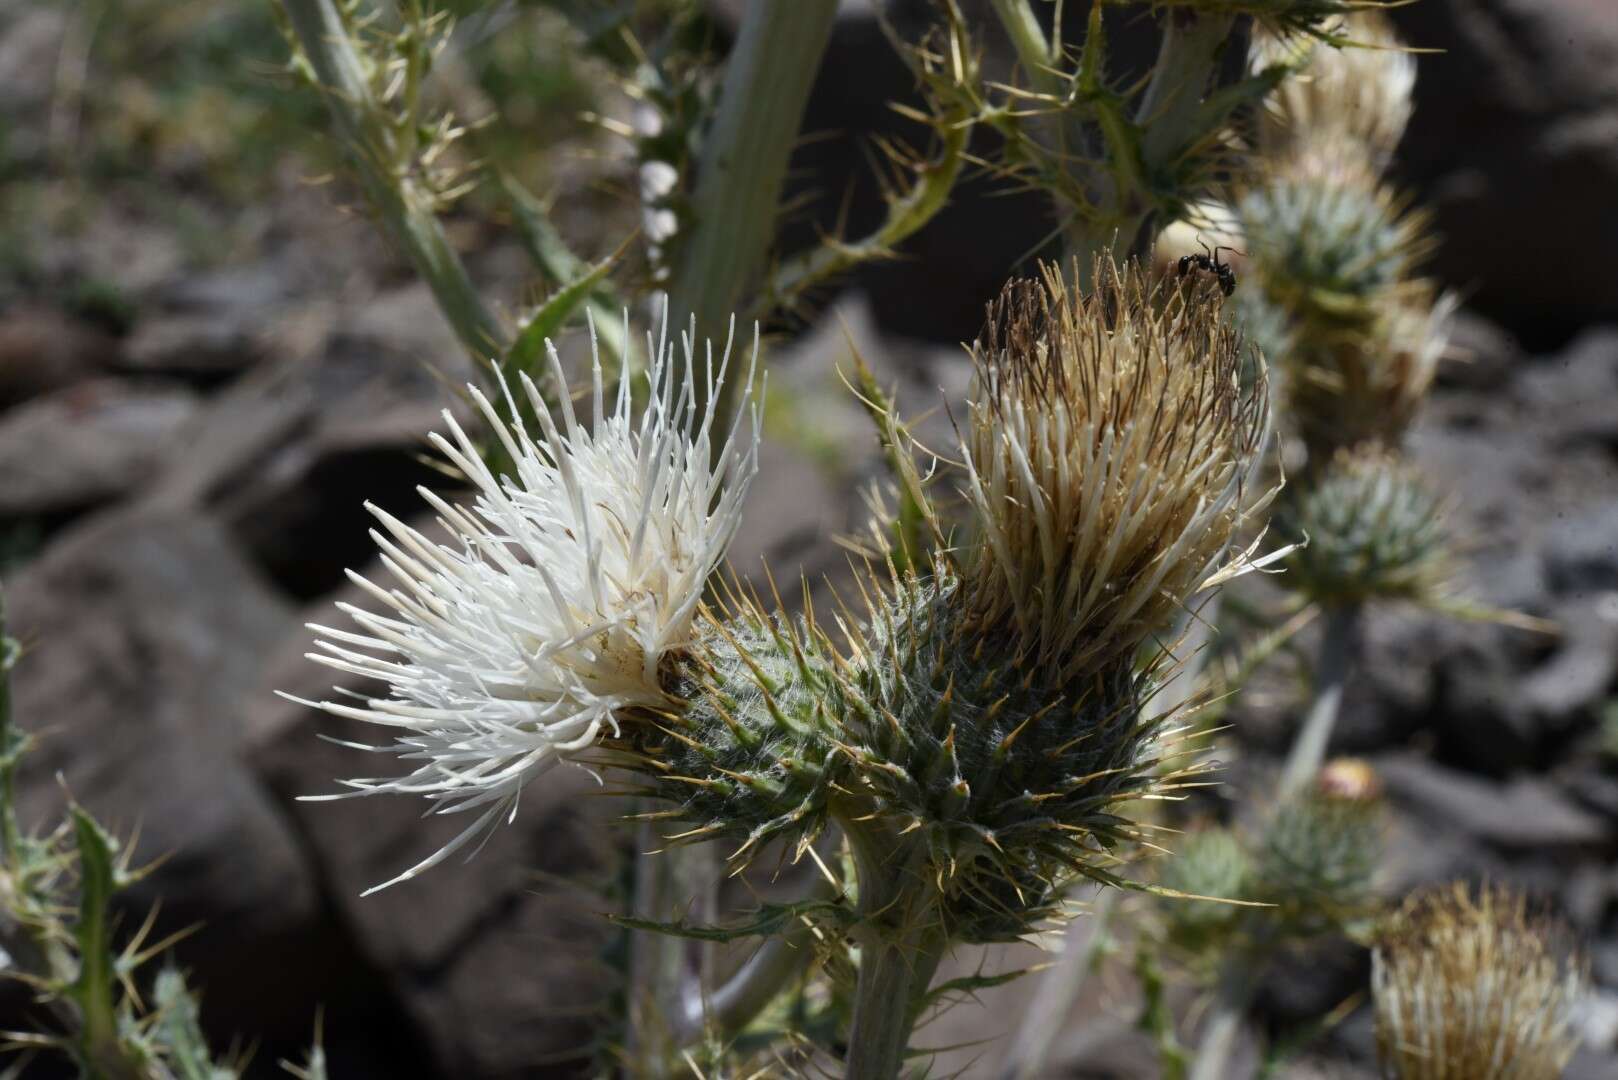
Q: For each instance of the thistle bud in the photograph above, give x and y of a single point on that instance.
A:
(1316, 860)
(1349, 779)
(1474, 989)
(1209, 862)
(1110, 457)
(1331, 243)
(1374, 533)
(747, 756)
(1008, 781)
(1367, 387)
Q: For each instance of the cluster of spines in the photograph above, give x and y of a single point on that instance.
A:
(1010, 782)
(748, 755)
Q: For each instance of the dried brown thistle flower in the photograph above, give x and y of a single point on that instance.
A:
(1367, 387)
(1111, 455)
(1353, 98)
(1474, 989)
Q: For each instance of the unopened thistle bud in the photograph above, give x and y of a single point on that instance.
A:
(1474, 989)
(1375, 532)
(567, 584)
(1316, 859)
(1207, 862)
(1111, 458)
(1330, 243)
(1347, 96)
(748, 753)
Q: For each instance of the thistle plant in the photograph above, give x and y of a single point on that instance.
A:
(1005, 709)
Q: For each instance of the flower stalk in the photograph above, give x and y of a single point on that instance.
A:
(744, 160)
(1308, 751)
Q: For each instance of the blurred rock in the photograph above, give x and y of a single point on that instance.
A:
(87, 444)
(497, 976)
(1518, 110)
(1524, 814)
(146, 632)
(42, 350)
(212, 345)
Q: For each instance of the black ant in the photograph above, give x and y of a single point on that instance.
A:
(1210, 263)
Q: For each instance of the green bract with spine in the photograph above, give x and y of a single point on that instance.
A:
(1374, 533)
(1008, 781)
(749, 758)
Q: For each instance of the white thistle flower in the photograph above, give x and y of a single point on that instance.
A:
(512, 651)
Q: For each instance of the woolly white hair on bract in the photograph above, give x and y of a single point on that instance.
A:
(512, 651)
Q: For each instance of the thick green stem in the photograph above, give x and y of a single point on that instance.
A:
(901, 944)
(892, 990)
(385, 174)
(1028, 39)
(744, 160)
(1170, 124)
(1331, 674)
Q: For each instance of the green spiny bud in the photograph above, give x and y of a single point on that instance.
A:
(748, 758)
(1009, 781)
(1209, 862)
(1331, 243)
(1316, 859)
(1374, 533)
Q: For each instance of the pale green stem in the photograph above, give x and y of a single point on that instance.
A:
(743, 163)
(1028, 39)
(901, 945)
(1224, 1021)
(1331, 674)
(384, 173)
(780, 960)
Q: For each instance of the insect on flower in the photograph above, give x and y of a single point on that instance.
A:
(1209, 263)
(520, 643)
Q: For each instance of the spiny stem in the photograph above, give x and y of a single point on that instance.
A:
(744, 160)
(404, 208)
(1331, 674)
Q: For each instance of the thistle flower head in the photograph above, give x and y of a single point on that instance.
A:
(1330, 242)
(1207, 862)
(1350, 94)
(1110, 457)
(1368, 386)
(1375, 532)
(515, 646)
(1317, 857)
(1474, 989)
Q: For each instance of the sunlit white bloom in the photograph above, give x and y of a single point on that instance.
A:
(516, 647)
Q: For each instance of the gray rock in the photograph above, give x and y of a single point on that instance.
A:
(147, 631)
(87, 444)
(43, 350)
(212, 344)
(1523, 815)
(1540, 131)
(498, 977)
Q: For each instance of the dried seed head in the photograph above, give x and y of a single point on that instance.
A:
(1374, 533)
(1368, 386)
(1474, 989)
(1347, 96)
(1110, 456)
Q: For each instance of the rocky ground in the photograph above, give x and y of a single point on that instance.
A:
(197, 395)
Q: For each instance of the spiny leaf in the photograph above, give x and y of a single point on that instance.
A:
(768, 920)
(528, 348)
(95, 989)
